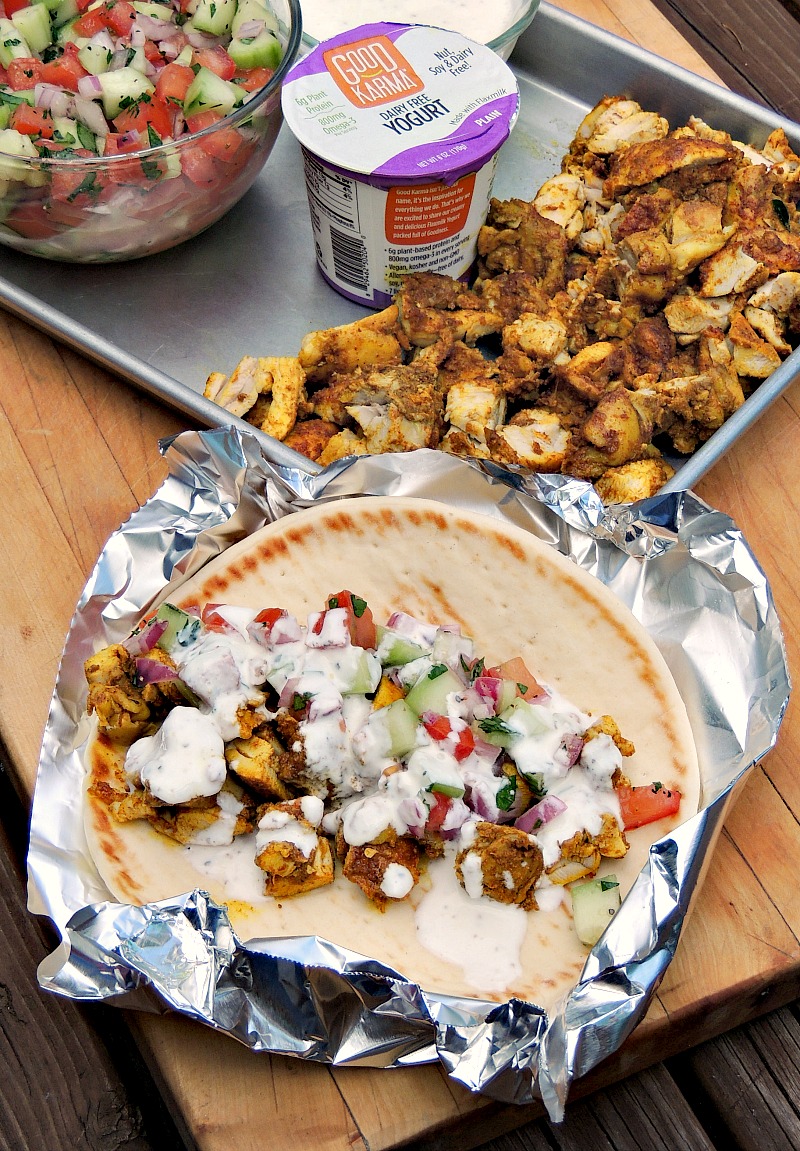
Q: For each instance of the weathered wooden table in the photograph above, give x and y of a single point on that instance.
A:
(78, 453)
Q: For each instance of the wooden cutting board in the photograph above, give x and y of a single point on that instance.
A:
(740, 954)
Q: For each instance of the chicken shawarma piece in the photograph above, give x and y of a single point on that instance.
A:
(282, 391)
(686, 162)
(126, 707)
(289, 849)
(433, 308)
(397, 409)
(533, 438)
(501, 862)
(516, 238)
(615, 122)
(372, 342)
(386, 869)
(637, 480)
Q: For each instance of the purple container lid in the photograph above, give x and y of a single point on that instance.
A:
(400, 104)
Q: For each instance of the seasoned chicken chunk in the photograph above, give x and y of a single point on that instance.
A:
(257, 762)
(384, 870)
(289, 849)
(372, 342)
(501, 862)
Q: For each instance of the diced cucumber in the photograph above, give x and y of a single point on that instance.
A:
(52, 5)
(525, 718)
(508, 693)
(214, 16)
(402, 726)
(262, 51)
(443, 776)
(33, 24)
(181, 627)
(15, 144)
(65, 31)
(450, 646)
(24, 96)
(395, 649)
(95, 58)
(157, 11)
(5, 115)
(12, 43)
(253, 10)
(185, 56)
(366, 674)
(123, 87)
(209, 92)
(594, 903)
(430, 692)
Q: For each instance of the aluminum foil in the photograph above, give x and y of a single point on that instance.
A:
(683, 569)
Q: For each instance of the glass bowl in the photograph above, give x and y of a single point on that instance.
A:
(101, 209)
(523, 12)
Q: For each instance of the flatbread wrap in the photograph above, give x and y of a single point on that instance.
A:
(516, 598)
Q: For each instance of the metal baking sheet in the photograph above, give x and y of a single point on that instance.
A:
(250, 284)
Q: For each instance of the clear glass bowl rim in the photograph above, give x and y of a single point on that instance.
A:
(168, 148)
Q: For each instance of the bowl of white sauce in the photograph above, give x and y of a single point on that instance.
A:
(498, 25)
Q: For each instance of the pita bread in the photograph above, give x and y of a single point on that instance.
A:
(515, 596)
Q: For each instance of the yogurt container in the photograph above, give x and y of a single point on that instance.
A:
(400, 127)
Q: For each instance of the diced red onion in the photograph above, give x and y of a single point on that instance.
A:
(573, 746)
(249, 29)
(482, 800)
(90, 87)
(411, 628)
(103, 39)
(154, 671)
(52, 97)
(489, 688)
(137, 38)
(541, 813)
(457, 815)
(90, 114)
(146, 639)
(414, 814)
(201, 39)
(288, 692)
(485, 749)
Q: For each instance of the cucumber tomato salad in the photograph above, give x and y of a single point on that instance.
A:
(376, 745)
(114, 78)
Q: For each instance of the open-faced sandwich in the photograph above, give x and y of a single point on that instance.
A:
(457, 769)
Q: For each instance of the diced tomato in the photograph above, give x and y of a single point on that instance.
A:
(90, 23)
(363, 632)
(82, 189)
(213, 620)
(12, 6)
(217, 60)
(645, 804)
(24, 72)
(33, 221)
(173, 82)
(199, 167)
(438, 813)
(118, 143)
(440, 728)
(269, 617)
(65, 72)
(527, 685)
(153, 111)
(32, 121)
(153, 53)
(118, 16)
(252, 79)
(201, 120)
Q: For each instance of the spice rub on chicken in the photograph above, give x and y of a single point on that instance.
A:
(626, 311)
(335, 743)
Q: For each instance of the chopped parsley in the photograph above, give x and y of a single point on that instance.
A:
(507, 793)
(493, 725)
(437, 670)
(89, 186)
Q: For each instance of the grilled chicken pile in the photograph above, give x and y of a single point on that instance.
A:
(628, 310)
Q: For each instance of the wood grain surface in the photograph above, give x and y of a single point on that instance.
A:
(78, 452)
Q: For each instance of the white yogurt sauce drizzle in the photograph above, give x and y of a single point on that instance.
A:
(349, 765)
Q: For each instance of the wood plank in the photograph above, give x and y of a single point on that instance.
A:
(67, 1068)
(751, 1078)
(745, 51)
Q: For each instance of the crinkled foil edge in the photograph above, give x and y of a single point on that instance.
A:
(683, 569)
